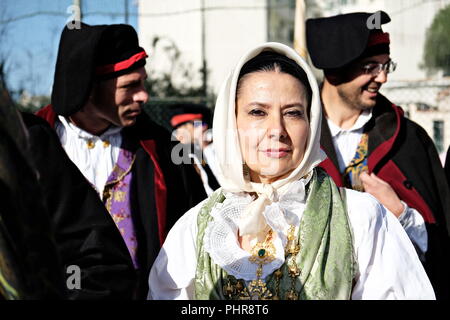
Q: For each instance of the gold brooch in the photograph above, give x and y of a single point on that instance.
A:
(262, 253)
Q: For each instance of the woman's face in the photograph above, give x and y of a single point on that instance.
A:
(272, 124)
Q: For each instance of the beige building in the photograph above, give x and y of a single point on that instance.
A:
(216, 31)
(211, 32)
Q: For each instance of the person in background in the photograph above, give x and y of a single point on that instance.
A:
(30, 267)
(97, 112)
(369, 143)
(95, 260)
(190, 125)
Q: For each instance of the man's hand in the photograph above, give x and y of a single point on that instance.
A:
(383, 192)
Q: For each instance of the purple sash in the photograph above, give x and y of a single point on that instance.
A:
(116, 196)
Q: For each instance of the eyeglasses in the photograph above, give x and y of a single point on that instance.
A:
(374, 69)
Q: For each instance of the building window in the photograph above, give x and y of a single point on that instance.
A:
(438, 135)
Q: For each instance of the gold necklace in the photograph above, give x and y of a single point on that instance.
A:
(263, 253)
(292, 249)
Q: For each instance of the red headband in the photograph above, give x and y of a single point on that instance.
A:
(122, 65)
(378, 38)
(181, 118)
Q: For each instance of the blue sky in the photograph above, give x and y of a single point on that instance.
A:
(32, 30)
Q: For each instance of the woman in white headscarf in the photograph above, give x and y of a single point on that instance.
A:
(279, 228)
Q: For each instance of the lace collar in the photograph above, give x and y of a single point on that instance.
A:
(221, 234)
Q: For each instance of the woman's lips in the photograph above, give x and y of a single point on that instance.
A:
(276, 153)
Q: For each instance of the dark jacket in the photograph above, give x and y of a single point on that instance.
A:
(30, 267)
(161, 191)
(402, 154)
(447, 165)
(85, 233)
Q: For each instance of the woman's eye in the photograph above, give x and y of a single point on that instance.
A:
(257, 112)
(295, 113)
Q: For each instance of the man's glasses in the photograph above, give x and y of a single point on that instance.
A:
(374, 69)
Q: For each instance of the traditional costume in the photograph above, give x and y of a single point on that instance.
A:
(197, 115)
(320, 243)
(130, 168)
(29, 262)
(384, 142)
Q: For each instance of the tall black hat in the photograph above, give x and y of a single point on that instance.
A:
(88, 54)
(334, 42)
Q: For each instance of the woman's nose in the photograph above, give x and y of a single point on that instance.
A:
(276, 128)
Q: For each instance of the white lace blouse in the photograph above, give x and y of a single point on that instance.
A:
(388, 265)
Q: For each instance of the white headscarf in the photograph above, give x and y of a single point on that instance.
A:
(228, 151)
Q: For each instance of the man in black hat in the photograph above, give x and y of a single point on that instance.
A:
(190, 125)
(96, 110)
(370, 145)
(57, 240)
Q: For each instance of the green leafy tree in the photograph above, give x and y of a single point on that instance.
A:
(164, 92)
(161, 85)
(437, 45)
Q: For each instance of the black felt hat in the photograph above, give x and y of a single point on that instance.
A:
(88, 54)
(334, 42)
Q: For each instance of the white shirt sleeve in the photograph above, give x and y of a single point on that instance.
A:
(173, 272)
(388, 265)
(414, 225)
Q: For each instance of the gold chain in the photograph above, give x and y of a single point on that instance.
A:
(292, 249)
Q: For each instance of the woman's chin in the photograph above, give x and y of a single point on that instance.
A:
(270, 175)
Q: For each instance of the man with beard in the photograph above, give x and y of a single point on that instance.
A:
(370, 145)
(96, 111)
